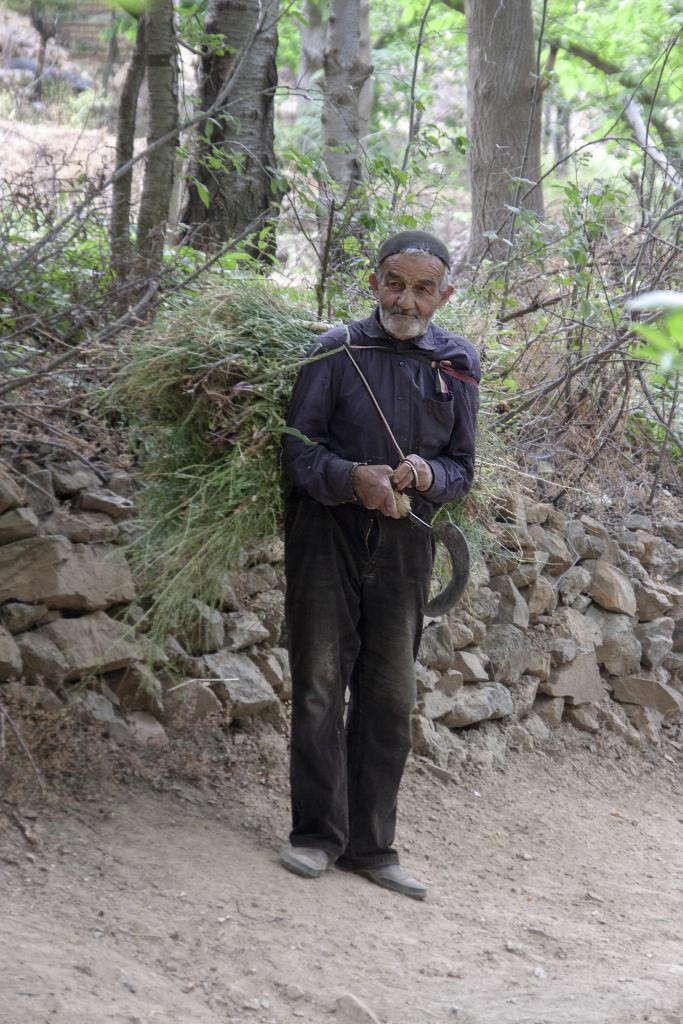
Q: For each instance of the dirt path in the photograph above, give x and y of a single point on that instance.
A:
(556, 898)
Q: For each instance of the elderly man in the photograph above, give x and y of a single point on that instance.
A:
(358, 573)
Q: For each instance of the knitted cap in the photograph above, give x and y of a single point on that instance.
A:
(414, 240)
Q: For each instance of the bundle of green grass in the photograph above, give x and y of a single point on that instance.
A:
(206, 389)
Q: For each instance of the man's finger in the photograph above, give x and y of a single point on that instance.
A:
(401, 478)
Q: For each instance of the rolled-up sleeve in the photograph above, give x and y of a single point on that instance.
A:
(310, 464)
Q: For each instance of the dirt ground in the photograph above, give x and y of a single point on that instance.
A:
(556, 897)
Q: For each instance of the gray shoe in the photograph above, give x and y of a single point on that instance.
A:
(305, 861)
(392, 876)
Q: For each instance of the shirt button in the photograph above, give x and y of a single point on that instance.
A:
(401, 362)
(399, 398)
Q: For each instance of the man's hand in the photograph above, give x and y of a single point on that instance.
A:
(372, 487)
(413, 472)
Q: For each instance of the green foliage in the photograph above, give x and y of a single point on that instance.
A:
(205, 390)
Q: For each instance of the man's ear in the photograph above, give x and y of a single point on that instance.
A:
(446, 296)
(374, 283)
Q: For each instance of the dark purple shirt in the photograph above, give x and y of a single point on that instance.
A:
(430, 413)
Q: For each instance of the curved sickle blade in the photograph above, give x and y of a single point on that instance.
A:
(453, 539)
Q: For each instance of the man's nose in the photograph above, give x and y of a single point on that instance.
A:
(406, 299)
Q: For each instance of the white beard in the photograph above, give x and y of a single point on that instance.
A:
(402, 326)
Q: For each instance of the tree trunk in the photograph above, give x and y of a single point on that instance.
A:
(312, 30)
(233, 165)
(345, 74)
(504, 120)
(119, 225)
(162, 84)
(367, 92)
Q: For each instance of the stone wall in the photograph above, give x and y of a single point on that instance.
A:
(569, 628)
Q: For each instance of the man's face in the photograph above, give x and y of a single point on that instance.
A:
(408, 292)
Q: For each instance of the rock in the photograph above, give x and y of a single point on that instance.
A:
(145, 730)
(18, 617)
(541, 598)
(10, 494)
(435, 705)
(511, 506)
(461, 635)
(593, 528)
(651, 602)
(470, 667)
(646, 721)
(39, 492)
(486, 746)
(103, 500)
(523, 694)
(538, 663)
(537, 728)
(350, 1010)
(436, 647)
(550, 710)
(663, 559)
(635, 521)
(573, 582)
(559, 555)
(63, 575)
(519, 738)
(478, 703)
(647, 693)
(610, 588)
(584, 719)
(69, 478)
(482, 603)
(269, 605)
(94, 707)
(229, 599)
(427, 741)
(190, 703)
(579, 681)
(537, 512)
(81, 527)
(138, 689)
(17, 524)
(450, 682)
(619, 652)
(633, 569)
(31, 696)
(243, 629)
(579, 628)
(206, 634)
(563, 650)
(477, 627)
(512, 607)
(10, 656)
(577, 538)
(672, 530)
(426, 678)
(614, 718)
(271, 669)
(121, 483)
(656, 639)
(256, 580)
(70, 648)
(282, 657)
(508, 651)
(240, 685)
(527, 572)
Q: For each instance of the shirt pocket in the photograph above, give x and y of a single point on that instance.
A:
(436, 422)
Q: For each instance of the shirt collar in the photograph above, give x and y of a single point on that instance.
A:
(372, 328)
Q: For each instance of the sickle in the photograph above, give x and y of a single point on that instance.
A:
(453, 539)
